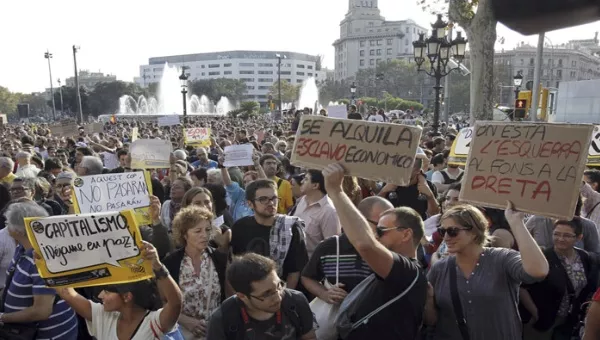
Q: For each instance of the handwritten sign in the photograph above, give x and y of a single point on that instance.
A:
(379, 151)
(94, 128)
(168, 120)
(197, 136)
(536, 166)
(114, 192)
(460, 147)
(337, 111)
(134, 134)
(3, 119)
(238, 155)
(88, 250)
(150, 154)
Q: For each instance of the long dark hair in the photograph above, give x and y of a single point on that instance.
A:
(145, 293)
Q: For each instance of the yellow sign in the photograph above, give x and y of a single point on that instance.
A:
(88, 250)
(114, 192)
(197, 137)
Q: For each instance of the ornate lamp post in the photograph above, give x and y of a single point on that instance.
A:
(184, 79)
(518, 81)
(438, 50)
(353, 91)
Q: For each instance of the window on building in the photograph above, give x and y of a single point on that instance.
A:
(378, 51)
(298, 81)
(299, 73)
(390, 41)
(309, 74)
(372, 42)
(531, 61)
(378, 60)
(405, 42)
(372, 62)
(389, 51)
(246, 72)
(265, 72)
(371, 23)
(227, 65)
(559, 73)
(372, 52)
(379, 42)
(215, 73)
(286, 73)
(310, 67)
(362, 62)
(202, 66)
(265, 80)
(246, 64)
(363, 43)
(522, 62)
(203, 74)
(249, 87)
(286, 79)
(265, 65)
(560, 62)
(263, 87)
(550, 62)
(573, 63)
(300, 66)
(414, 30)
(247, 79)
(362, 53)
(214, 65)
(408, 30)
(227, 72)
(262, 96)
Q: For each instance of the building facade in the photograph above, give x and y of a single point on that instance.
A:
(89, 79)
(366, 39)
(258, 69)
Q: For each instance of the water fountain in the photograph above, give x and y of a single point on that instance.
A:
(169, 100)
(309, 94)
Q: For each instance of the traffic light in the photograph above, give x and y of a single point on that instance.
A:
(520, 108)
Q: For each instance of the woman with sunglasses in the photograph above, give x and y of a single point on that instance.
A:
(480, 285)
(554, 304)
(437, 246)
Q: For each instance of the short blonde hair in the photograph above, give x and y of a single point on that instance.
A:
(188, 218)
(468, 216)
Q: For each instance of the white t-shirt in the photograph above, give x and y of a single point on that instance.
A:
(104, 325)
(110, 160)
(376, 118)
(437, 176)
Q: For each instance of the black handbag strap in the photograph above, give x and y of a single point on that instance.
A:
(591, 211)
(11, 272)
(458, 311)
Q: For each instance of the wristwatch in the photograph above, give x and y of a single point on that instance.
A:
(161, 273)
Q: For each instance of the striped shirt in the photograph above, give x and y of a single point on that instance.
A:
(25, 284)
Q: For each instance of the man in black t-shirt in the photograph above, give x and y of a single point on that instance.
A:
(253, 233)
(391, 254)
(262, 308)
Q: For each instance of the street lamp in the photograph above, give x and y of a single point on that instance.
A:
(184, 78)
(62, 107)
(279, 57)
(518, 81)
(353, 91)
(48, 56)
(438, 50)
(79, 107)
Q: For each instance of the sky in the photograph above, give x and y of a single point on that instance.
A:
(117, 37)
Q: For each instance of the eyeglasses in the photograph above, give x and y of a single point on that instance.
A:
(451, 231)
(269, 294)
(266, 200)
(18, 190)
(382, 230)
(562, 235)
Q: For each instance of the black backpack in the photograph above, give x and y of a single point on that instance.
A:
(233, 324)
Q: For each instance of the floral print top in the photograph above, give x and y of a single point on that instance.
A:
(576, 274)
(201, 291)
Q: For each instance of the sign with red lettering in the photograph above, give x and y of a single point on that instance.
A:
(378, 151)
(538, 166)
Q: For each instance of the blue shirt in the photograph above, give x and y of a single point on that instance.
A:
(239, 204)
(26, 282)
(211, 164)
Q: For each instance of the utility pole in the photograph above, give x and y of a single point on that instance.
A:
(536, 78)
(62, 107)
(79, 108)
(48, 56)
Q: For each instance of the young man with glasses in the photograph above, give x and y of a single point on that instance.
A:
(262, 307)
(270, 234)
(391, 254)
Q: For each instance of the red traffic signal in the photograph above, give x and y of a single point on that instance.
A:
(521, 103)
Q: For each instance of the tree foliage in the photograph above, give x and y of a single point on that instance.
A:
(8, 101)
(246, 110)
(104, 99)
(289, 92)
(214, 89)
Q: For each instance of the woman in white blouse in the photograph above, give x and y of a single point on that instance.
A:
(128, 311)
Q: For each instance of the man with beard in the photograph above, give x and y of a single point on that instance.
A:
(262, 308)
(270, 165)
(270, 234)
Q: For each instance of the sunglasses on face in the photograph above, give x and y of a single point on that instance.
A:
(451, 231)
(380, 230)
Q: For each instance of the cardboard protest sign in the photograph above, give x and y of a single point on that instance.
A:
(150, 154)
(379, 151)
(168, 120)
(594, 152)
(56, 130)
(3, 119)
(537, 166)
(337, 111)
(94, 128)
(134, 134)
(88, 250)
(197, 136)
(114, 192)
(238, 155)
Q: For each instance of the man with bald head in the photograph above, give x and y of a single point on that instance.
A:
(353, 269)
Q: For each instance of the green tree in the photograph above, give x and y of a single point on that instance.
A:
(38, 105)
(8, 101)
(476, 17)
(104, 99)
(214, 89)
(331, 90)
(70, 100)
(396, 77)
(289, 92)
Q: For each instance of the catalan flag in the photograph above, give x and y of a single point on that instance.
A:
(113, 119)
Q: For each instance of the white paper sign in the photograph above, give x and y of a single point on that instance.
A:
(111, 192)
(218, 222)
(238, 155)
(463, 141)
(337, 111)
(595, 143)
(104, 238)
(150, 154)
(168, 120)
